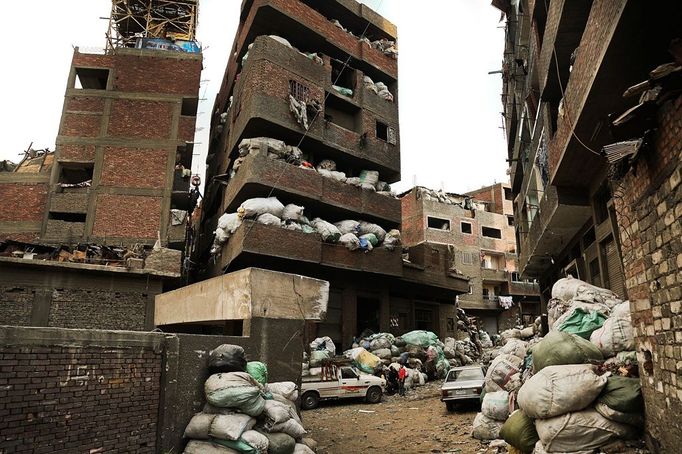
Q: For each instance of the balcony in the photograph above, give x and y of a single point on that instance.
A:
(494, 275)
(258, 174)
(477, 302)
(523, 288)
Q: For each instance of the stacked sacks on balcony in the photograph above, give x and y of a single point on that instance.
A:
(245, 414)
(578, 391)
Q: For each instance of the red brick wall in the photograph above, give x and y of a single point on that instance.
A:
(142, 119)
(134, 167)
(23, 202)
(126, 216)
(96, 60)
(186, 128)
(649, 211)
(80, 399)
(76, 152)
(144, 74)
(412, 228)
(80, 125)
(85, 103)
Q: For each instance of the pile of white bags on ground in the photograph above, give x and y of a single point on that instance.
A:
(352, 234)
(242, 415)
(574, 390)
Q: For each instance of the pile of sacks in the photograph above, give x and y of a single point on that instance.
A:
(278, 150)
(245, 414)
(385, 46)
(574, 391)
(379, 88)
(354, 235)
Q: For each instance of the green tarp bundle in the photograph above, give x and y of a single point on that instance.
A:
(582, 322)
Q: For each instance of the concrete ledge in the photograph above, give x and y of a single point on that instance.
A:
(243, 295)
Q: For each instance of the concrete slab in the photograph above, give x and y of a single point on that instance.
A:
(243, 295)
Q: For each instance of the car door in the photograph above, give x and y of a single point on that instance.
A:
(352, 385)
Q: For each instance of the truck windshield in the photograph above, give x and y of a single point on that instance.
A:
(465, 374)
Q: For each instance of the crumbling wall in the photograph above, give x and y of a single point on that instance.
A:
(649, 210)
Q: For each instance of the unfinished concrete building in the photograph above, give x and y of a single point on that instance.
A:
(592, 108)
(478, 229)
(118, 182)
(336, 60)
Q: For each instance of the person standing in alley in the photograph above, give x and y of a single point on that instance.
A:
(402, 374)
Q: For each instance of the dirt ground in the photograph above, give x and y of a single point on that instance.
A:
(416, 423)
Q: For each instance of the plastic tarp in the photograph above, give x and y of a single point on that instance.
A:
(556, 390)
(258, 371)
(420, 338)
(582, 322)
(558, 348)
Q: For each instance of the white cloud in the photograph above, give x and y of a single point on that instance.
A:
(449, 105)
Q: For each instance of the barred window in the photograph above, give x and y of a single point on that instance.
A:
(299, 91)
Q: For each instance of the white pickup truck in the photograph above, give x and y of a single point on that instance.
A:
(340, 382)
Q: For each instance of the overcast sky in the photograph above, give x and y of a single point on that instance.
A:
(449, 106)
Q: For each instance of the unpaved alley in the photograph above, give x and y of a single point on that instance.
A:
(417, 423)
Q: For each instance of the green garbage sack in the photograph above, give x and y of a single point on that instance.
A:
(559, 348)
(582, 322)
(623, 394)
(258, 371)
(421, 338)
(238, 445)
(519, 431)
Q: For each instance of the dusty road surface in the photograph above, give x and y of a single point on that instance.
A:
(417, 423)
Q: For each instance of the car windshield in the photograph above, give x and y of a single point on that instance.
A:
(465, 374)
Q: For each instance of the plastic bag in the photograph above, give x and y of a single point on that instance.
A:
(227, 358)
(392, 239)
(500, 371)
(257, 440)
(370, 238)
(485, 428)
(288, 389)
(317, 356)
(348, 226)
(292, 212)
(515, 347)
(365, 360)
(235, 390)
(370, 177)
(329, 232)
(230, 427)
(349, 240)
(368, 227)
(324, 343)
(280, 443)
(623, 394)
(252, 208)
(495, 405)
(300, 448)
(269, 219)
(258, 371)
(281, 40)
(229, 222)
(556, 390)
(276, 412)
(616, 335)
(581, 322)
(199, 426)
(420, 338)
(206, 447)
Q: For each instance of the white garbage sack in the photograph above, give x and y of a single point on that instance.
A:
(230, 427)
(281, 40)
(569, 287)
(235, 390)
(256, 440)
(392, 239)
(557, 390)
(513, 333)
(300, 448)
(292, 212)
(496, 405)
(500, 371)
(290, 427)
(348, 226)
(515, 347)
(370, 177)
(632, 419)
(329, 232)
(556, 308)
(527, 332)
(339, 176)
(269, 219)
(288, 389)
(580, 431)
(252, 208)
(324, 343)
(199, 426)
(229, 222)
(616, 335)
(368, 227)
(276, 412)
(539, 449)
(349, 240)
(485, 428)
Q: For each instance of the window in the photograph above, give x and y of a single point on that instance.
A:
(466, 227)
(491, 232)
(67, 217)
(508, 194)
(342, 75)
(510, 220)
(437, 223)
(594, 272)
(348, 373)
(299, 91)
(601, 200)
(382, 131)
(342, 113)
(515, 277)
(189, 107)
(467, 258)
(91, 78)
(589, 237)
(73, 174)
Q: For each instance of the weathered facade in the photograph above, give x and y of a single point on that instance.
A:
(351, 125)
(478, 229)
(584, 82)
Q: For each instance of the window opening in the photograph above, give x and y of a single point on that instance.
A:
(299, 91)
(342, 76)
(342, 113)
(91, 79)
(508, 194)
(189, 107)
(382, 131)
(491, 232)
(71, 174)
(466, 227)
(510, 220)
(437, 223)
(67, 217)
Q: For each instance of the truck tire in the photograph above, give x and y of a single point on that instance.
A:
(451, 406)
(310, 400)
(373, 395)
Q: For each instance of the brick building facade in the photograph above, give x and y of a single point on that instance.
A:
(582, 79)
(357, 129)
(479, 229)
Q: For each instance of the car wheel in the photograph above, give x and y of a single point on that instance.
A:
(373, 395)
(310, 400)
(450, 406)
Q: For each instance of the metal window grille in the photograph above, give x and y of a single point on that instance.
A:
(299, 91)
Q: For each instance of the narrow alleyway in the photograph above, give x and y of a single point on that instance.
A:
(417, 423)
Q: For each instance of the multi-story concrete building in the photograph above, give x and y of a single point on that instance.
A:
(592, 108)
(289, 53)
(479, 230)
(117, 182)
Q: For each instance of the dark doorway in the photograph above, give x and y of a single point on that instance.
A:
(424, 319)
(368, 314)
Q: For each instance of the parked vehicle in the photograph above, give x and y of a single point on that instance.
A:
(462, 384)
(340, 382)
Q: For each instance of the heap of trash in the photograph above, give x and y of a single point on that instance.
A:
(354, 235)
(244, 413)
(385, 46)
(576, 389)
(420, 351)
(278, 150)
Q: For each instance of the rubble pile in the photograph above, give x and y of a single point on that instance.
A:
(244, 413)
(278, 150)
(574, 390)
(354, 235)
